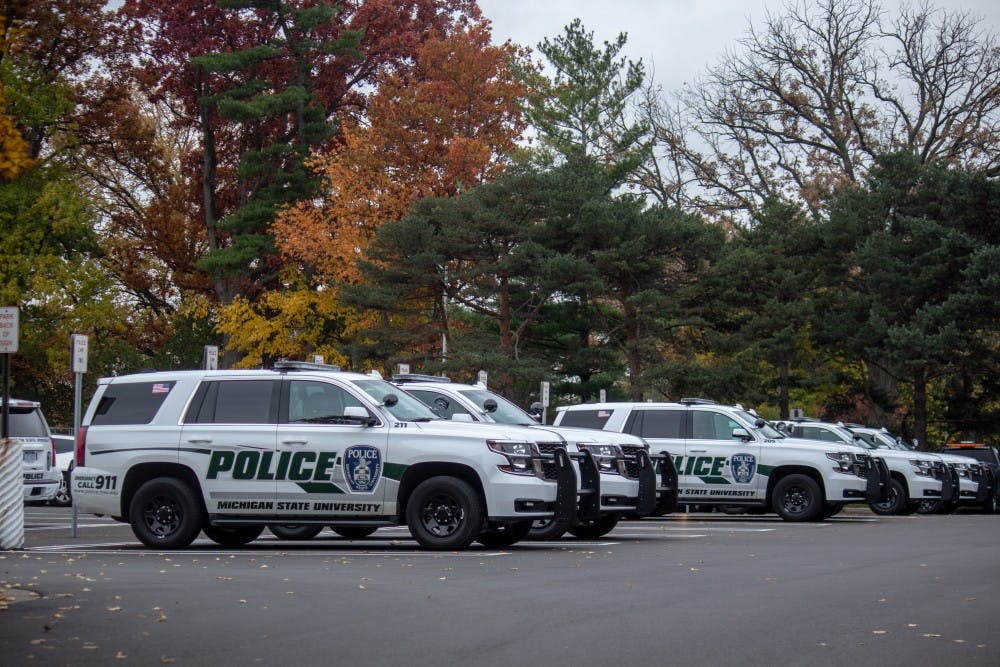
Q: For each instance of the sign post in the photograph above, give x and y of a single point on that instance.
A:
(482, 377)
(10, 317)
(78, 361)
(545, 401)
(211, 357)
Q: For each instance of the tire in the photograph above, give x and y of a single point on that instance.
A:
(444, 514)
(63, 497)
(547, 529)
(165, 514)
(294, 531)
(232, 536)
(990, 506)
(353, 532)
(929, 507)
(896, 501)
(504, 535)
(597, 528)
(797, 498)
(831, 509)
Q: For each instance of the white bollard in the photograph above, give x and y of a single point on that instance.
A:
(11, 494)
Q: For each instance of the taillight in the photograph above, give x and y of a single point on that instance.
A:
(52, 454)
(81, 445)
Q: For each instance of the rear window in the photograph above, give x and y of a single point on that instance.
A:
(27, 423)
(131, 403)
(986, 455)
(586, 418)
(659, 424)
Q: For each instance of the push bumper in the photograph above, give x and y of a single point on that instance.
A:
(661, 480)
(877, 480)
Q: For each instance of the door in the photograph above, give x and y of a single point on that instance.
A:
(230, 430)
(333, 466)
(720, 460)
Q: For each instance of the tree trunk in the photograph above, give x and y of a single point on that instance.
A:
(920, 406)
(783, 372)
(633, 354)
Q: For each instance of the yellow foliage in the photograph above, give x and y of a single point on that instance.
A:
(14, 157)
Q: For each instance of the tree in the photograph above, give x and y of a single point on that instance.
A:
(918, 274)
(802, 108)
(584, 107)
(443, 125)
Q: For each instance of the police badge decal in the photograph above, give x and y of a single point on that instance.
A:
(743, 467)
(362, 468)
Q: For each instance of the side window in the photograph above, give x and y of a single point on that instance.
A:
(586, 418)
(130, 403)
(442, 405)
(708, 425)
(311, 402)
(237, 402)
(662, 424)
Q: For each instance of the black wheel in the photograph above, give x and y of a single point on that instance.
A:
(798, 498)
(597, 528)
(444, 513)
(831, 509)
(232, 536)
(353, 532)
(504, 535)
(63, 497)
(165, 514)
(929, 507)
(990, 506)
(894, 503)
(294, 531)
(547, 529)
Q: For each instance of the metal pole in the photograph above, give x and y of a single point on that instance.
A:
(77, 398)
(5, 419)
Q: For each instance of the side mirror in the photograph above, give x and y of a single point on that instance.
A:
(742, 434)
(461, 417)
(759, 423)
(490, 405)
(537, 408)
(390, 400)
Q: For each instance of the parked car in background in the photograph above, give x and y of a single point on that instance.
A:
(989, 462)
(65, 452)
(28, 425)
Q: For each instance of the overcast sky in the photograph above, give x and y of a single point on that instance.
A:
(678, 39)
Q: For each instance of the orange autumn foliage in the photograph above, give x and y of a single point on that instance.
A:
(446, 123)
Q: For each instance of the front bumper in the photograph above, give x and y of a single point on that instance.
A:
(876, 481)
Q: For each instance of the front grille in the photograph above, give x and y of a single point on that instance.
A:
(632, 462)
(549, 469)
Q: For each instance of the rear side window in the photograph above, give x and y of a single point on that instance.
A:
(131, 403)
(586, 418)
(659, 424)
(27, 423)
(235, 402)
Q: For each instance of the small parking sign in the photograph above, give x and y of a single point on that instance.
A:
(9, 320)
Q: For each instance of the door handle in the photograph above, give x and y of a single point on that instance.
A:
(200, 441)
(294, 442)
(698, 451)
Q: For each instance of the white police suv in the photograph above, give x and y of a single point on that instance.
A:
(727, 456)
(622, 488)
(229, 452)
(41, 474)
(914, 476)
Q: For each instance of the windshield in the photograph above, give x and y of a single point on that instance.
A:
(408, 409)
(866, 440)
(886, 440)
(506, 412)
(766, 430)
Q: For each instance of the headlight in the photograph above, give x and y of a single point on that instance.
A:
(608, 457)
(519, 455)
(844, 461)
(924, 467)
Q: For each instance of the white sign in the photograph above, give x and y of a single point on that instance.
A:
(545, 394)
(9, 318)
(797, 413)
(402, 369)
(211, 357)
(482, 378)
(79, 360)
(318, 359)
(603, 396)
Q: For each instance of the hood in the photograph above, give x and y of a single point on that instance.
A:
(576, 434)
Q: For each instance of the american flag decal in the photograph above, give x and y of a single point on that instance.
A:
(162, 387)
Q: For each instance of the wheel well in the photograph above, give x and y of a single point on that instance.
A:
(784, 471)
(417, 473)
(901, 478)
(143, 472)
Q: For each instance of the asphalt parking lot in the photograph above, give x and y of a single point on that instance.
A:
(688, 589)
